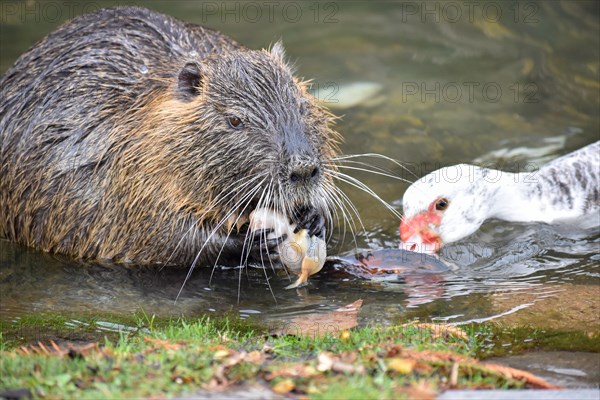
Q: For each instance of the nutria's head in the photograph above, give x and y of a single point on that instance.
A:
(236, 131)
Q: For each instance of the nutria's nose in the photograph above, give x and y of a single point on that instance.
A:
(305, 172)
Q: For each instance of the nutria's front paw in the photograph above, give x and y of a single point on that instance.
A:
(311, 220)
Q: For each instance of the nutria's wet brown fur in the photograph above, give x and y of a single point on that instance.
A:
(117, 141)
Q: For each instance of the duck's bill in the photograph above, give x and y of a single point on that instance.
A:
(416, 244)
(419, 234)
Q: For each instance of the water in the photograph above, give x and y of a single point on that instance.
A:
(576, 369)
(452, 85)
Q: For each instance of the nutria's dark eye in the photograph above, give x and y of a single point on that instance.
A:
(235, 122)
(441, 204)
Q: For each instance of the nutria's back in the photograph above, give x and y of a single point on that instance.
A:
(133, 136)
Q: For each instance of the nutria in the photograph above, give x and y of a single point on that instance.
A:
(131, 136)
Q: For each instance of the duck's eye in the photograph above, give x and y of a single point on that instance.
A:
(441, 204)
(235, 122)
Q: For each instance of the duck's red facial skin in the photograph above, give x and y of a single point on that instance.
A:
(418, 230)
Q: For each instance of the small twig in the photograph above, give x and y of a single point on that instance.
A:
(454, 374)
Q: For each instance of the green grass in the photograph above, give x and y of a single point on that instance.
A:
(178, 356)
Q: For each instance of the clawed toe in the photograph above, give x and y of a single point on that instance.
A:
(311, 220)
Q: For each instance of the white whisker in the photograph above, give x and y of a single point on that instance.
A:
(375, 155)
(249, 196)
(375, 172)
(361, 186)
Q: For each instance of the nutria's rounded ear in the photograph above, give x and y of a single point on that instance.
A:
(189, 81)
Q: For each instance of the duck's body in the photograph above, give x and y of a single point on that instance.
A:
(453, 202)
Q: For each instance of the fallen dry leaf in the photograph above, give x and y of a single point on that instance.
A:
(254, 357)
(235, 358)
(437, 356)
(393, 350)
(294, 371)
(423, 368)
(321, 325)
(440, 330)
(422, 391)
(346, 368)
(329, 362)
(284, 386)
(517, 374)
(226, 358)
(401, 365)
(165, 344)
(348, 357)
(217, 384)
(73, 350)
(325, 362)
(426, 356)
(221, 354)
(181, 379)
